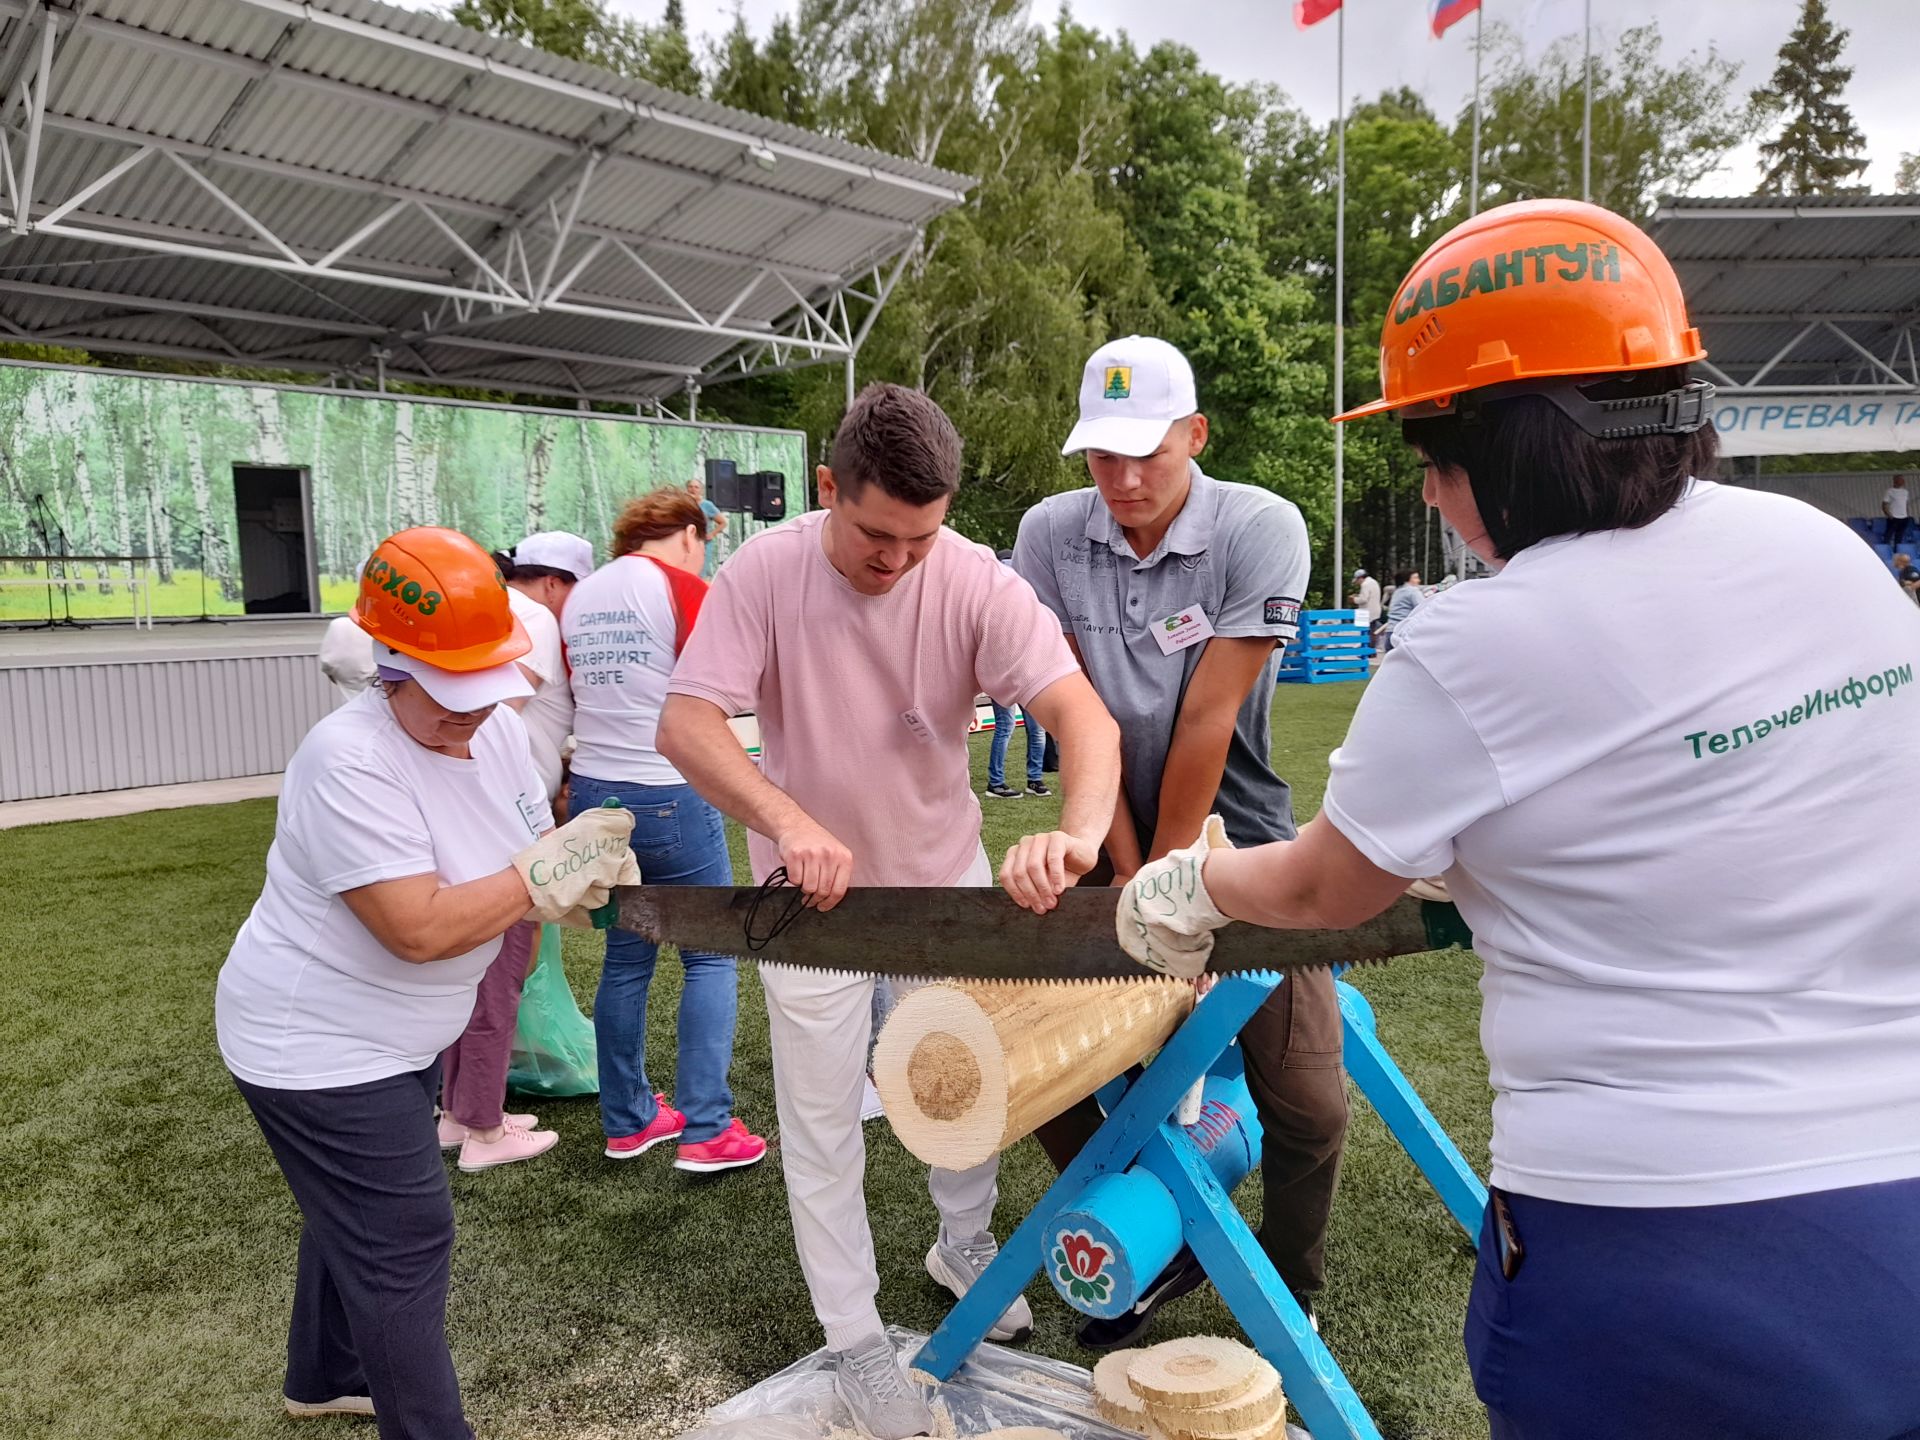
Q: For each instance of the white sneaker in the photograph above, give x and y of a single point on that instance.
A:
(957, 1264)
(869, 1382)
(871, 1106)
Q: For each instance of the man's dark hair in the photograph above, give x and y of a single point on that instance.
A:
(1536, 474)
(1401, 577)
(899, 440)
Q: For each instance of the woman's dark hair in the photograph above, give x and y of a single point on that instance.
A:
(1536, 474)
(511, 571)
(1401, 577)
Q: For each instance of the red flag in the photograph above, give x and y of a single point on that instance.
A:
(1312, 12)
(1447, 13)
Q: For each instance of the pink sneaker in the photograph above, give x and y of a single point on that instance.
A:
(515, 1143)
(732, 1148)
(453, 1134)
(668, 1124)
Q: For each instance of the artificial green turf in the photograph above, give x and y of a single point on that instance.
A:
(147, 1241)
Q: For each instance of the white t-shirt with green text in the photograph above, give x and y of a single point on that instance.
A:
(1677, 827)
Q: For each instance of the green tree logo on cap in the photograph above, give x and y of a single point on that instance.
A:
(1119, 383)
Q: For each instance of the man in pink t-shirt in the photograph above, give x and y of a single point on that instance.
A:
(861, 635)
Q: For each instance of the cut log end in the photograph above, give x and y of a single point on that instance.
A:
(1113, 1399)
(1191, 1374)
(965, 1069)
(944, 1076)
(1253, 1414)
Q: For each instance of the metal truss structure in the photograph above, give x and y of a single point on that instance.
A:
(334, 187)
(1801, 295)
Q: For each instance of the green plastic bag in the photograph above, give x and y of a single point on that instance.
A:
(553, 1049)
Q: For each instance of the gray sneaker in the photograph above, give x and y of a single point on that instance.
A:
(869, 1382)
(957, 1264)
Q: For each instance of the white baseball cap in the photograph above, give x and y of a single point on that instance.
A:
(463, 690)
(1130, 393)
(557, 550)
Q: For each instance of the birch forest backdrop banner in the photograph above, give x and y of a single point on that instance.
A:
(114, 464)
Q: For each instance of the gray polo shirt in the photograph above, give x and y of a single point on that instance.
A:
(1238, 552)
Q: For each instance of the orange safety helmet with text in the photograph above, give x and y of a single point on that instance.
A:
(437, 596)
(1536, 297)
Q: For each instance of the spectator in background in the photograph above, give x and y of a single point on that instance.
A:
(346, 653)
(1406, 596)
(997, 786)
(346, 656)
(716, 522)
(1908, 576)
(1366, 598)
(539, 572)
(625, 629)
(1895, 506)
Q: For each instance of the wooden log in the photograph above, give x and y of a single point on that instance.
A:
(1113, 1399)
(966, 1068)
(1252, 1412)
(1191, 1374)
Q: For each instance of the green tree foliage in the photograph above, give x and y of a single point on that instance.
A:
(589, 31)
(1818, 149)
(1657, 128)
(1906, 180)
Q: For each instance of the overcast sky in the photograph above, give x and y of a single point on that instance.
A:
(1388, 45)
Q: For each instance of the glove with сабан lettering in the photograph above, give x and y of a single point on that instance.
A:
(575, 867)
(1166, 918)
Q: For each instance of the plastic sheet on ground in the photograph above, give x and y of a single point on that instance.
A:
(996, 1389)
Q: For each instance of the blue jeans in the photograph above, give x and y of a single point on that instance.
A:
(1788, 1319)
(678, 840)
(1002, 733)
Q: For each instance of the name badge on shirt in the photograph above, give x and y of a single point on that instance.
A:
(534, 814)
(1181, 629)
(917, 723)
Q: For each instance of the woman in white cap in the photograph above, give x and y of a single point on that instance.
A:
(412, 834)
(540, 572)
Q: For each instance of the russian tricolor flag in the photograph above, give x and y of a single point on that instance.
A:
(1447, 13)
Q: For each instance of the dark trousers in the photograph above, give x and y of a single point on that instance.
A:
(370, 1300)
(1788, 1319)
(473, 1070)
(1897, 529)
(1292, 1052)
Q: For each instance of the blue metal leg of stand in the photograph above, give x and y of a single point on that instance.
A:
(1254, 1292)
(1138, 1127)
(1407, 1116)
(1129, 1125)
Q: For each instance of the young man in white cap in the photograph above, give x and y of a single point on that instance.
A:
(1366, 599)
(1176, 592)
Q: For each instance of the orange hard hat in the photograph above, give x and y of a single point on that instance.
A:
(1539, 290)
(435, 595)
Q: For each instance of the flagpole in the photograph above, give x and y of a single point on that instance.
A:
(1473, 204)
(1586, 127)
(1340, 322)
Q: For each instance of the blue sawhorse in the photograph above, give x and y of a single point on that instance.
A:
(1139, 1128)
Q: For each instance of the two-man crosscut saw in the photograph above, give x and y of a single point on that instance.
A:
(980, 934)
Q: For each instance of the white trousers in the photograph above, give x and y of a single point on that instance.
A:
(821, 1022)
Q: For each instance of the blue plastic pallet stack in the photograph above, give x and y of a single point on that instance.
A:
(1333, 646)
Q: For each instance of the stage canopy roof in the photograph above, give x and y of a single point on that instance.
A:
(1810, 309)
(342, 188)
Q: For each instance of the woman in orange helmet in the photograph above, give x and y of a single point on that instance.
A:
(413, 832)
(1665, 818)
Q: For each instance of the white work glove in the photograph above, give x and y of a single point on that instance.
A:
(1166, 918)
(575, 867)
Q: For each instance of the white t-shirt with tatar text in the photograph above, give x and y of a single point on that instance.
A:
(1676, 826)
(623, 640)
(308, 999)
